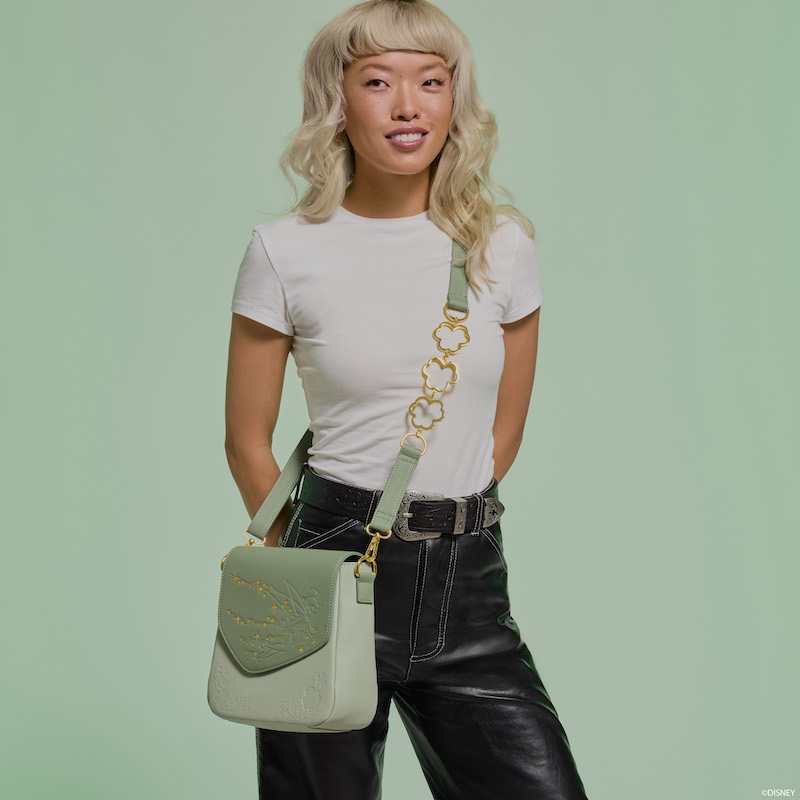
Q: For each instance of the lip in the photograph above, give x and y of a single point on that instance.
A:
(406, 130)
(406, 145)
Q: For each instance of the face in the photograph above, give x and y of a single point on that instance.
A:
(398, 107)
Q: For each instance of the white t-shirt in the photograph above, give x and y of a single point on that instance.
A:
(361, 297)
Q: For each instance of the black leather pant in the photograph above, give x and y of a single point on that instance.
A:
(450, 656)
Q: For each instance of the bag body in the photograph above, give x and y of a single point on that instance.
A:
(295, 646)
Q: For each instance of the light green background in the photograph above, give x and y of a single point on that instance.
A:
(652, 524)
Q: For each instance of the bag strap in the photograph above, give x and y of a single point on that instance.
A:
(282, 490)
(383, 518)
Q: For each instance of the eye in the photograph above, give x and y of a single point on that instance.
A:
(374, 82)
(433, 81)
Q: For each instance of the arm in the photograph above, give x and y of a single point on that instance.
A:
(521, 339)
(256, 365)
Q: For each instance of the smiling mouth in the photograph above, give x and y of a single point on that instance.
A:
(406, 137)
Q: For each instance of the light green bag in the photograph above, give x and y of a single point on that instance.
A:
(295, 645)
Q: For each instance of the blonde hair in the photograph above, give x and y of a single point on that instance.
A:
(462, 194)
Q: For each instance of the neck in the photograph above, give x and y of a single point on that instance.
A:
(387, 196)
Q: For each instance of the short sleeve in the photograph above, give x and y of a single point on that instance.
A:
(526, 281)
(258, 293)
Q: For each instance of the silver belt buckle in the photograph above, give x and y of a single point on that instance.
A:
(493, 509)
(400, 526)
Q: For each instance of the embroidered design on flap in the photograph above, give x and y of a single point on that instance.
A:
(286, 627)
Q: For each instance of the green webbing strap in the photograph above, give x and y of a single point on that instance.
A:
(457, 295)
(404, 465)
(281, 491)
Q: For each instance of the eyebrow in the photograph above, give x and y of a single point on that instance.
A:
(384, 68)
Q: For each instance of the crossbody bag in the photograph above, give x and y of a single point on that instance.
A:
(295, 642)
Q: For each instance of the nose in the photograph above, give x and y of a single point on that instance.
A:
(405, 106)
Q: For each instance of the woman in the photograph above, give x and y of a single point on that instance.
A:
(395, 146)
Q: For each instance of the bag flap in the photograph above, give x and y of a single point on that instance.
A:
(276, 603)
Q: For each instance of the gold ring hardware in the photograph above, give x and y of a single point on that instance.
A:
(249, 540)
(370, 561)
(449, 314)
(377, 534)
(416, 435)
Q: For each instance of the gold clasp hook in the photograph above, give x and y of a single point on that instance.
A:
(371, 552)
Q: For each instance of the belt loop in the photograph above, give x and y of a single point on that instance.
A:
(299, 481)
(460, 523)
(376, 495)
(479, 516)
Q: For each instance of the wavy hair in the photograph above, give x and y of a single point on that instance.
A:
(462, 199)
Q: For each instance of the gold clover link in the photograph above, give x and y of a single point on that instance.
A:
(427, 407)
(431, 384)
(422, 405)
(438, 335)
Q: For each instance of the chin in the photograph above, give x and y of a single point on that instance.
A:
(409, 169)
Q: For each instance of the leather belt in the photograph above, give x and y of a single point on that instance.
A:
(422, 515)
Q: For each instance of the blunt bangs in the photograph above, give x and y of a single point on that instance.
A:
(384, 27)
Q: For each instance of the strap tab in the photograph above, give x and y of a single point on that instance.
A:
(404, 466)
(365, 586)
(459, 286)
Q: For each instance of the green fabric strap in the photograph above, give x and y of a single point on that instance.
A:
(404, 466)
(365, 587)
(457, 295)
(405, 463)
(276, 499)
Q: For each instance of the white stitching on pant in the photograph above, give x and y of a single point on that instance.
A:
(414, 627)
(372, 503)
(445, 610)
(494, 543)
(481, 509)
(288, 529)
(320, 537)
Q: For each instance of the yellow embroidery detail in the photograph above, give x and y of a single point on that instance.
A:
(289, 625)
